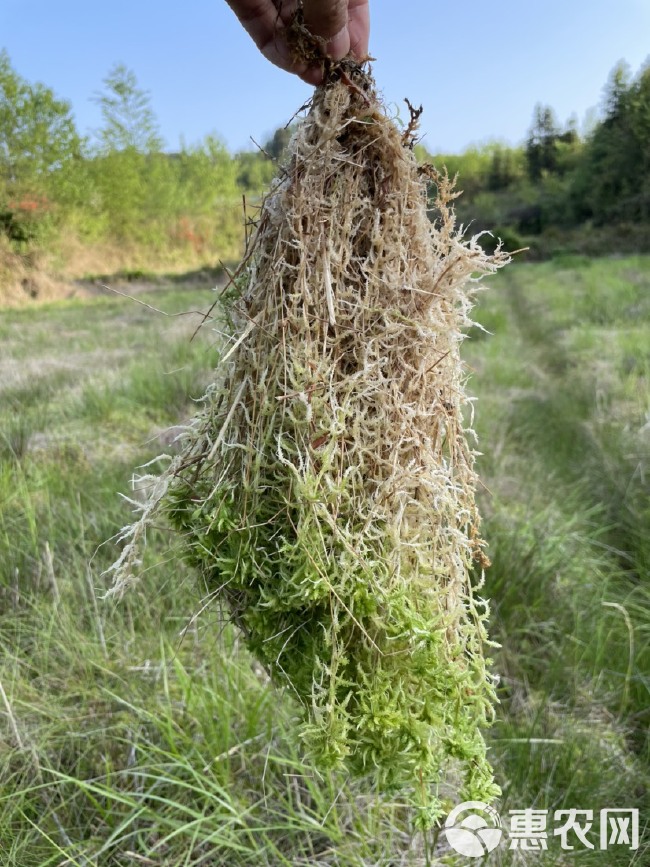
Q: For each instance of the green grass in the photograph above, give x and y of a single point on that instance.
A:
(141, 732)
(567, 519)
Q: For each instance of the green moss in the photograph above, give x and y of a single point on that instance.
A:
(387, 684)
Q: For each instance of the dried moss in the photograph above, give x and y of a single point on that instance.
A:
(326, 489)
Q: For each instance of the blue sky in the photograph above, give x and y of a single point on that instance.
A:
(478, 66)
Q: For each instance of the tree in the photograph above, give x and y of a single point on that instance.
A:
(208, 175)
(504, 167)
(129, 119)
(276, 146)
(254, 172)
(541, 144)
(38, 136)
(613, 183)
(616, 90)
(129, 174)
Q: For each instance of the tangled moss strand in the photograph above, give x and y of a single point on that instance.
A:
(326, 490)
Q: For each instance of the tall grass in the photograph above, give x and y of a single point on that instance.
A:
(567, 517)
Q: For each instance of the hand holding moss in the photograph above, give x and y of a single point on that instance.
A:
(344, 25)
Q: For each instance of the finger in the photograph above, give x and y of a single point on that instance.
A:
(264, 22)
(260, 18)
(325, 19)
(344, 23)
(329, 20)
(359, 27)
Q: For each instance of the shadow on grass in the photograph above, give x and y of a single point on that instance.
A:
(207, 275)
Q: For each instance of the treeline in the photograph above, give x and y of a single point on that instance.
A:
(118, 192)
(117, 189)
(563, 191)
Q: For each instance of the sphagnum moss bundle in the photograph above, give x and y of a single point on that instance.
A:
(326, 490)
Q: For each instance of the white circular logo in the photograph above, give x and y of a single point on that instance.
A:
(473, 835)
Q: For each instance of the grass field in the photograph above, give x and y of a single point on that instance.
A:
(140, 733)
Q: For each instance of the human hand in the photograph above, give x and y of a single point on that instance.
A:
(343, 24)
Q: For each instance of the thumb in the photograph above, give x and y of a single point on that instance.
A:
(329, 20)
